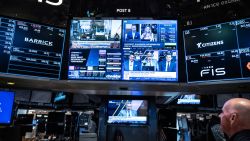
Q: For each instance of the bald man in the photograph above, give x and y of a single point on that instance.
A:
(235, 119)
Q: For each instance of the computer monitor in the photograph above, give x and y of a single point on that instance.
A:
(127, 111)
(6, 107)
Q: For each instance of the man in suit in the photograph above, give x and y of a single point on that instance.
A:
(133, 34)
(128, 112)
(167, 64)
(131, 64)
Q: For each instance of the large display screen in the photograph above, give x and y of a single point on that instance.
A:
(6, 105)
(140, 50)
(150, 50)
(127, 111)
(95, 49)
(30, 49)
(218, 52)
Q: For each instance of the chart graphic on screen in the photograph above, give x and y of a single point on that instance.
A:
(30, 49)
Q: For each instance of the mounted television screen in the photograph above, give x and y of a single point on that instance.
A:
(6, 105)
(41, 96)
(150, 50)
(30, 49)
(189, 99)
(218, 52)
(127, 111)
(22, 95)
(94, 51)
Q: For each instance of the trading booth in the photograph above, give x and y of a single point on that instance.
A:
(114, 70)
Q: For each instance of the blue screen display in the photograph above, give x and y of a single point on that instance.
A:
(6, 104)
(140, 50)
(150, 50)
(127, 111)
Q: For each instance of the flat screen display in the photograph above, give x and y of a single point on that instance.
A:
(150, 50)
(218, 52)
(41, 96)
(189, 99)
(127, 111)
(6, 105)
(139, 50)
(30, 49)
(95, 49)
(60, 97)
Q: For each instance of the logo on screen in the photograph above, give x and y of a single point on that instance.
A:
(52, 3)
(213, 71)
(38, 42)
(209, 44)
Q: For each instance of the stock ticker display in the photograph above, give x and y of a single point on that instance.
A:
(218, 52)
(30, 49)
(143, 50)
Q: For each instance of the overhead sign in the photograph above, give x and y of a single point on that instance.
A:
(220, 3)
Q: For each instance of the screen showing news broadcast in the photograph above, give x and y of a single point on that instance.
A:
(218, 52)
(127, 111)
(95, 49)
(30, 49)
(150, 50)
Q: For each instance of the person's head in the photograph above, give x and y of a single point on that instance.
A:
(129, 106)
(133, 28)
(168, 57)
(147, 29)
(149, 56)
(131, 57)
(235, 116)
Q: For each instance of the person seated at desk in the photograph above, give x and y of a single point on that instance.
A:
(147, 35)
(133, 34)
(167, 64)
(150, 64)
(131, 64)
(128, 111)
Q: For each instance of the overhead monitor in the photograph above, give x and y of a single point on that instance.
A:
(150, 50)
(30, 49)
(131, 50)
(218, 52)
(94, 51)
